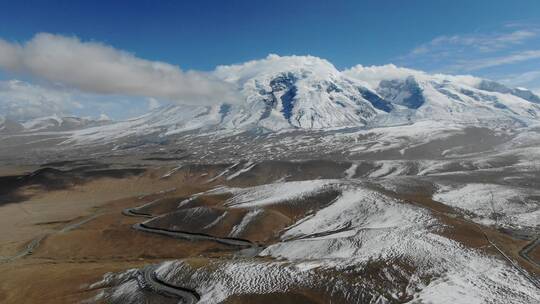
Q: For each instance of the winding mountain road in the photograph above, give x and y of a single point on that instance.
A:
(524, 252)
(193, 236)
(27, 250)
(530, 278)
(34, 244)
(153, 282)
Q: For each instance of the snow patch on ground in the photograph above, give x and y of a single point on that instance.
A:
(218, 280)
(247, 167)
(351, 171)
(481, 280)
(216, 221)
(389, 168)
(402, 137)
(246, 220)
(277, 193)
(494, 204)
(360, 225)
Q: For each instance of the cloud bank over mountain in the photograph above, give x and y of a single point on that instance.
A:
(98, 68)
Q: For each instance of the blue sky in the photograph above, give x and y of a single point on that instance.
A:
(494, 39)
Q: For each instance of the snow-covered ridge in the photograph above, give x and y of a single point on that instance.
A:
(310, 93)
(51, 123)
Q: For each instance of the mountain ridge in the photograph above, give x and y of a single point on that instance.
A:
(309, 93)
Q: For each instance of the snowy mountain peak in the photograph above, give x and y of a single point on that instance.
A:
(298, 92)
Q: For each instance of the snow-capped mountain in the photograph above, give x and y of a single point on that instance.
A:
(51, 123)
(310, 93)
(298, 92)
(305, 92)
(418, 96)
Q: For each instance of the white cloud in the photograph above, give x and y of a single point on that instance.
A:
(98, 68)
(512, 38)
(477, 51)
(521, 78)
(273, 64)
(480, 42)
(478, 64)
(374, 74)
(20, 100)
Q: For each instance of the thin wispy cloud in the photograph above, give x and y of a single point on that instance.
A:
(529, 79)
(480, 42)
(524, 77)
(496, 55)
(98, 68)
(474, 51)
(478, 64)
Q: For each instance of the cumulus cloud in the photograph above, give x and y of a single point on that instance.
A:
(273, 64)
(98, 68)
